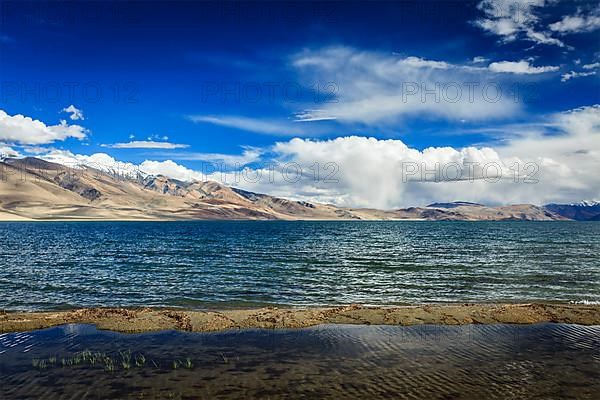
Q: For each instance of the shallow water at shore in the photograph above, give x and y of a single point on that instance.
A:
(548, 361)
(234, 264)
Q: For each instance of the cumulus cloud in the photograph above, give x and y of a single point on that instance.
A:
(385, 173)
(171, 169)
(374, 87)
(515, 19)
(76, 114)
(519, 67)
(578, 23)
(567, 161)
(146, 144)
(553, 161)
(25, 130)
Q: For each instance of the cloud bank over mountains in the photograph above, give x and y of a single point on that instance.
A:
(553, 160)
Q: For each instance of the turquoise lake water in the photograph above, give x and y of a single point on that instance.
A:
(54, 265)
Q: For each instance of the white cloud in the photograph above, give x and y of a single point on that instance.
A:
(373, 87)
(76, 114)
(579, 74)
(568, 162)
(313, 115)
(25, 130)
(578, 23)
(580, 122)
(519, 67)
(7, 151)
(479, 60)
(144, 144)
(418, 62)
(171, 169)
(543, 38)
(515, 19)
(268, 127)
(573, 74)
(382, 173)
(249, 155)
(592, 66)
(370, 173)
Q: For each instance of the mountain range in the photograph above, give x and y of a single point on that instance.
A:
(34, 189)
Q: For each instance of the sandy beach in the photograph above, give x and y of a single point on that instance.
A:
(148, 320)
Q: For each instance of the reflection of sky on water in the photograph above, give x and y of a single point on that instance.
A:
(482, 361)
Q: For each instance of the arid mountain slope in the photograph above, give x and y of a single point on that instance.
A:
(36, 189)
(31, 188)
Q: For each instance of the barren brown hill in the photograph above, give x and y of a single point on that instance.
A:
(34, 189)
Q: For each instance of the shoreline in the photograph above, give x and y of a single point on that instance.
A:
(139, 320)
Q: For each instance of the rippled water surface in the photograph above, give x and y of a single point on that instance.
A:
(547, 361)
(205, 264)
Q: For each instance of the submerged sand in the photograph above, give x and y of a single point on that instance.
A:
(147, 319)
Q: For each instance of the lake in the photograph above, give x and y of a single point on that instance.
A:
(233, 264)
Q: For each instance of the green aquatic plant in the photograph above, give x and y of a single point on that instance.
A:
(176, 364)
(85, 356)
(225, 359)
(77, 359)
(140, 360)
(188, 363)
(125, 359)
(92, 359)
(109, 364)
(39, 363)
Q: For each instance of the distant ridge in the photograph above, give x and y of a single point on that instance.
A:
(582, 211)
(34, 189)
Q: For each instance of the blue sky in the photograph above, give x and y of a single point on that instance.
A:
(170, 73)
